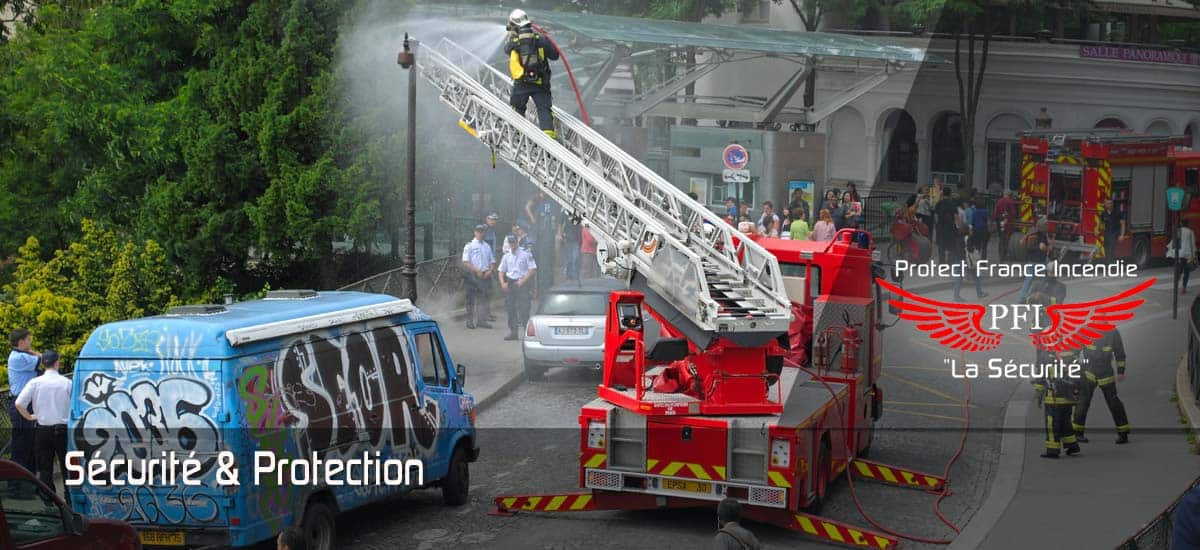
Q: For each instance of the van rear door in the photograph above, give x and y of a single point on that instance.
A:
(130, 411)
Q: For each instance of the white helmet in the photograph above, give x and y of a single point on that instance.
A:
(518, 18)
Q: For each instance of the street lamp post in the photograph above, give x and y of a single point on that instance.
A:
(407, 59)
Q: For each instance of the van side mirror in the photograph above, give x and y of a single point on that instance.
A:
(460, 374)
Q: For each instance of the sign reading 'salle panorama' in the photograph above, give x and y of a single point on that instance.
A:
(1147, 55)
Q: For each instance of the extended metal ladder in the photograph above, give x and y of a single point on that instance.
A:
(692, 262)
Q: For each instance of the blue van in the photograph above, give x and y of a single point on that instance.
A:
(300, 376)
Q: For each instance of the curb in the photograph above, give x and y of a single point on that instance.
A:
(506, 388)
(1187, 400)
(1004, 484)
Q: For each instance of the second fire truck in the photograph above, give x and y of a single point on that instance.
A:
(1067, 175)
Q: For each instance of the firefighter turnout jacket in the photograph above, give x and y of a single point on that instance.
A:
(1057, 392)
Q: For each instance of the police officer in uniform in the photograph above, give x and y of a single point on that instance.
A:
(478, 262)
(1099, 357)
(515, 271)
(529, 56)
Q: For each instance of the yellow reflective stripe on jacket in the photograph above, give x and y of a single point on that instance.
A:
(1106, 380)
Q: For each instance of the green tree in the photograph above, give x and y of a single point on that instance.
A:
(104, 276)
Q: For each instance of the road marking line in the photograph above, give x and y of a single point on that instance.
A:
(927, 415)
(921, 386)
(925, 404)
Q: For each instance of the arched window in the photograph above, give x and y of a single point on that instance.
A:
(900, 135)
(1112, 122)
(946, 148)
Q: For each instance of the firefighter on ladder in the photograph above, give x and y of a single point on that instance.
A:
(1099, 358)
(529, 55)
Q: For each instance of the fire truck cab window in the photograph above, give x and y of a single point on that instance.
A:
(793, 280)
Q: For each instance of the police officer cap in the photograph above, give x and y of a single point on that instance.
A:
(481, 227)
(493, 216)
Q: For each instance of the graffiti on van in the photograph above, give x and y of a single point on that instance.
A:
(146, 419)
(339, 390)
(176, 352)
(164, 506)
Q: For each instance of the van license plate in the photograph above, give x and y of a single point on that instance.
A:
(688, 486)
(162, 538)
(570, 331)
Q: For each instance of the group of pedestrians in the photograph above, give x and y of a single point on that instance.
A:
(38, 409)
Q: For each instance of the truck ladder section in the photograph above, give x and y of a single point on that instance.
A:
(823, 529)
(722, 285)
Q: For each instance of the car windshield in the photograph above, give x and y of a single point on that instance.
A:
(575, 303)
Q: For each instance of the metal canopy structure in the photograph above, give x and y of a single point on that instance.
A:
(715, 46)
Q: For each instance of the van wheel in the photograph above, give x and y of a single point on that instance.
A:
(320, 529)
(534, 373)
(822, 481)
(458, 480)
(1141, 251)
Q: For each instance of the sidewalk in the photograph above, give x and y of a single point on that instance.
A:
(494, 365)
(1108, 492)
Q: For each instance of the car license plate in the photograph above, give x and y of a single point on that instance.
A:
(162, 538)
(570, 331)
(688, 486)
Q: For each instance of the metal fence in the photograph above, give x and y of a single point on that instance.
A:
(439, 284)
(1156, 535)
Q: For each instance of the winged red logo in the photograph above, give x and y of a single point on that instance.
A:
(954, 325)
(1072, 326)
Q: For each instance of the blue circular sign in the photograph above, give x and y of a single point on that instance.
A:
(736, 157)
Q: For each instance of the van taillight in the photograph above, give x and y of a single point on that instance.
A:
(529, 330)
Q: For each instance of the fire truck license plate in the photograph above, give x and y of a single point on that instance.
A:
(162, 538)
(689, 486)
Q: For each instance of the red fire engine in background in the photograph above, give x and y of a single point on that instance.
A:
(1067, 175)
(772, 426)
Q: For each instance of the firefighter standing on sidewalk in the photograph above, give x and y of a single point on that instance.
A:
(1099, 358)
(1057, 397)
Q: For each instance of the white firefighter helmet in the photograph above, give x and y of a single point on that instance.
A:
(518, 18)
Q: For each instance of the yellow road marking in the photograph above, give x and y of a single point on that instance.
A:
(927, 404)
(927, 415)
(921, 386)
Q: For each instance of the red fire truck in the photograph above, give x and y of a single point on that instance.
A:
(771, 425)
(1067, 175)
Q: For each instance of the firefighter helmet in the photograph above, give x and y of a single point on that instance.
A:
(518, 19)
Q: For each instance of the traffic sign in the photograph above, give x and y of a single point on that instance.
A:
(735, 157)
(1175, 197)
(736, 176)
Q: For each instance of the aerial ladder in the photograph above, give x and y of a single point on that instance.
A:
(722, 301)
(697, 270)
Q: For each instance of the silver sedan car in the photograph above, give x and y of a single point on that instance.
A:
(567, 329)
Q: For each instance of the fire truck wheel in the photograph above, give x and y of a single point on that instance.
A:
(320, 527)
(456, 486)
(533, 372)
(822, 482)
(1141, 251)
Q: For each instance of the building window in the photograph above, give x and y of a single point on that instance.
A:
(757, 12)
(901, 160)
(1112, 122)
(946, 153)
(1003, 164)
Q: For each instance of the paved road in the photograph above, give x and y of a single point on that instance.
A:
(529, 441)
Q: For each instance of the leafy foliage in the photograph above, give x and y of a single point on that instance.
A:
(103, 276)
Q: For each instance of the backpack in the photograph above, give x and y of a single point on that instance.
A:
(526, 61)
